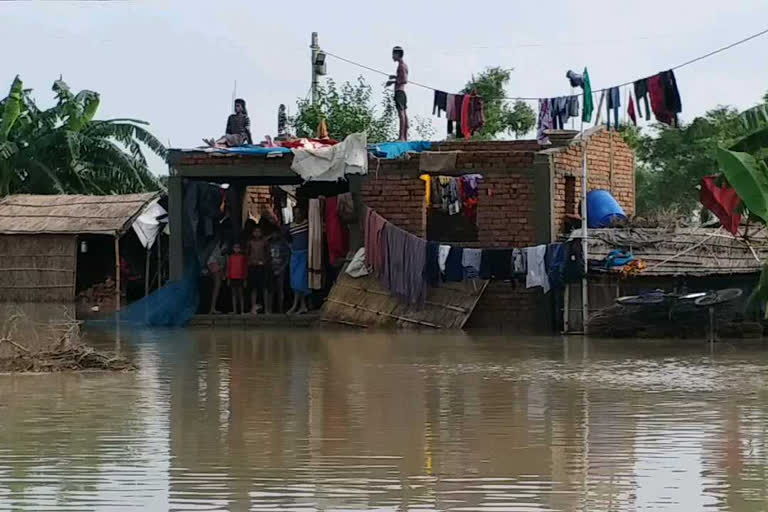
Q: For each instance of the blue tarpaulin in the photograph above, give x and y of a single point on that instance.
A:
(392, 150)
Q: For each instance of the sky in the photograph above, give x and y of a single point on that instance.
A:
(175, 63)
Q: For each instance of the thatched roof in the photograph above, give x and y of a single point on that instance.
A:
(71, 214)
(684, 251)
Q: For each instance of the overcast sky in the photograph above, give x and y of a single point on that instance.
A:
(173, 63)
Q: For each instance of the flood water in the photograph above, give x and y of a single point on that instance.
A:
(350, 420)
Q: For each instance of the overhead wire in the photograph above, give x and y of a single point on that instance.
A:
(594, 91)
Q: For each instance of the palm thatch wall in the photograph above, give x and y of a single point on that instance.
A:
(37, 268)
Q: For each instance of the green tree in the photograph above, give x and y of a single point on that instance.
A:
(500, 117)
(672, 161)
(347, 109)
(65, 150)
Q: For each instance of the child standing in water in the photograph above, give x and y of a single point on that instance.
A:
(237, 272)
(259, 276)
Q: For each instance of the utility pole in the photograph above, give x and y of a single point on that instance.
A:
(315, 75)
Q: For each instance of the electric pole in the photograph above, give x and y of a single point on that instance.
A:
(318, 66)
(315, 76)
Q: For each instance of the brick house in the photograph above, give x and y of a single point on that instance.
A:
(526, 197)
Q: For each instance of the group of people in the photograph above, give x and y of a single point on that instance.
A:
(259, 264)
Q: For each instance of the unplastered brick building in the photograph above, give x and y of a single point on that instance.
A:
(529, 194)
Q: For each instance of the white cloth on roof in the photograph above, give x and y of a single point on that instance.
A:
(537, 270)
(442, 256)
(356, 267)
(332, 162)
(147, 226)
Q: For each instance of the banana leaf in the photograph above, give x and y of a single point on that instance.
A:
(756, 142)
(11, 108)
(749, 177)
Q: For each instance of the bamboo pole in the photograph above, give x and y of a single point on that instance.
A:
(159, 243)
(117, 272)
(584, 232)
(146, 271)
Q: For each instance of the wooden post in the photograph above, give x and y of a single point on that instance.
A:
(159, 243)
(566, 308)
(146, 271)
(117, 272)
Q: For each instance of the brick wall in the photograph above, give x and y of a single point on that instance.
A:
(257, 198)
(505, 210)
(399, 198)
(610, 166)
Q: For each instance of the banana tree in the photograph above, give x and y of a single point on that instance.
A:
(11, 110)
(745, 167)
(64, 149)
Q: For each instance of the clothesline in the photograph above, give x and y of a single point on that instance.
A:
(594, 91)
(407, 264)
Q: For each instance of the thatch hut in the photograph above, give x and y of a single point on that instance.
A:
(48, 243)
(676, 260)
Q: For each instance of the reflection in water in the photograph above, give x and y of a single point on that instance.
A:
(310, 419)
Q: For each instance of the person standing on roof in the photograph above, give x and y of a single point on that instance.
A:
(399, 80)
(238, 130)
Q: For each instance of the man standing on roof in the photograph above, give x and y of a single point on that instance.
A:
(399, 80)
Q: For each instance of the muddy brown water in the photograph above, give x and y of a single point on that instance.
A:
(233, 419)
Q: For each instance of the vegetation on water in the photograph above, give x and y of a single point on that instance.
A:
(65, 150)
(67, 353)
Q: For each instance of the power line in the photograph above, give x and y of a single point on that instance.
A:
(594, 91)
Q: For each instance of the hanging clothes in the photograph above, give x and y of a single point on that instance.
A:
(299, 235)
(589, 101)
(466, 129)
(672, 100)
(496, 264)
(443, 251)
(476, 114)
(560, 112)
(665, 99)
(613, 103)
(346, 208)
(573, 268)
(439, 103)
(427, 179)
(337, 233)
(573, 106)
(545, 121)
(537, 270)
(722, 201)
(454, 197)
(450, 107)
(554, 262)
(641, 92)
(519, 264)
(315, 255)
(406, 257)
(454, 113)
(470, 260)
(631, 111)
(375, 255)
(431, 265)
(356, 267)
(599, 108)
(454, 271)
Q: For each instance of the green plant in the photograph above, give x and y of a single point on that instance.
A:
(64, 149)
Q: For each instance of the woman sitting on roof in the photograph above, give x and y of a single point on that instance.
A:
(238, 129)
